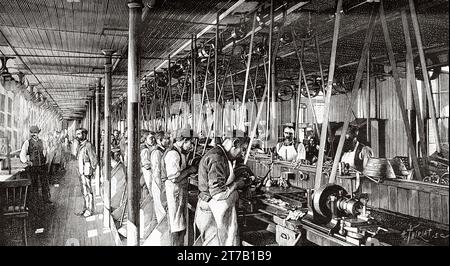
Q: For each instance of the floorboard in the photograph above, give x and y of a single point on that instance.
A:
(61, 226)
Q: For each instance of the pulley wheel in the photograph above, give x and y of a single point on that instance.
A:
(321, 199)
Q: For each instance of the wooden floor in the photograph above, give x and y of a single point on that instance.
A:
(60, 224)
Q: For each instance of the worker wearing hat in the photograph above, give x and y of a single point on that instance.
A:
(216, 215)
(176, 184)
(33, 154)
(87, 163)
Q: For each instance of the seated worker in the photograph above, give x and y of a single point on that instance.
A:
(354, 153)
(286, 150)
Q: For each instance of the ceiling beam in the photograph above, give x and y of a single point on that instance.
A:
(199, 35)
(26, 66)
(187, 43)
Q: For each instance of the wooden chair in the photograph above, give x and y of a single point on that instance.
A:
(13, 201)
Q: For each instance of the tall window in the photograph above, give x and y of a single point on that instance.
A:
(2, 111)
(439, 91)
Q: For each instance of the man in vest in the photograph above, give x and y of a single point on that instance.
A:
(33, 154)
(355, 154)
(87, 162)
(216, 215)
(176, 185)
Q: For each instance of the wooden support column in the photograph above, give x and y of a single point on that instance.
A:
(97, 135)
(299, 94)
(133, 167)
(192, 83)
(274, 117)
(92, 120)
(87, 117)
(323, 136)
(368, 103)
(311, 105)
(426, 79)
(398, 91)
(107, 140)
(316, 40)
(355, 88)
(216, 75)
(247, 71)
(411, 76)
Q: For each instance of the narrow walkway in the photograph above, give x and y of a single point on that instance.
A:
(60, 224)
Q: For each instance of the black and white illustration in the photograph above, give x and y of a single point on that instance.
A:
(224, 123)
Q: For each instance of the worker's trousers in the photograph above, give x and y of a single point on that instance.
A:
(39, 179)
(216, 220)
(86, 191)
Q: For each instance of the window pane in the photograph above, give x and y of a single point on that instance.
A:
(9, 105)
(2, 120)
(444, 105)
(2, 102)
(9, 120)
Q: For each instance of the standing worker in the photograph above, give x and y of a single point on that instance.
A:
(160, 235)
(176, 184)
(87, 162)
(216, 215)
(33, 154)
(148, 218)
(146, 149)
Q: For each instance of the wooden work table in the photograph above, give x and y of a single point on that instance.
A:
(383, 201)
(16, 168)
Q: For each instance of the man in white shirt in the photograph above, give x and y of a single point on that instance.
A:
(355, 154)
(33, 154)
(146, 149)
(286, 150)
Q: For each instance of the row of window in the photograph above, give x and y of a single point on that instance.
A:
(5, 103)
(7, 124)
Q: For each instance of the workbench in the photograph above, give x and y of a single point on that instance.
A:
(256, 207)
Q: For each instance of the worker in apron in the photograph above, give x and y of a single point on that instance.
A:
(354, 153)
(146, 149)
(160, 235)
(286, 150)
(176, 184)
(216, 215)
